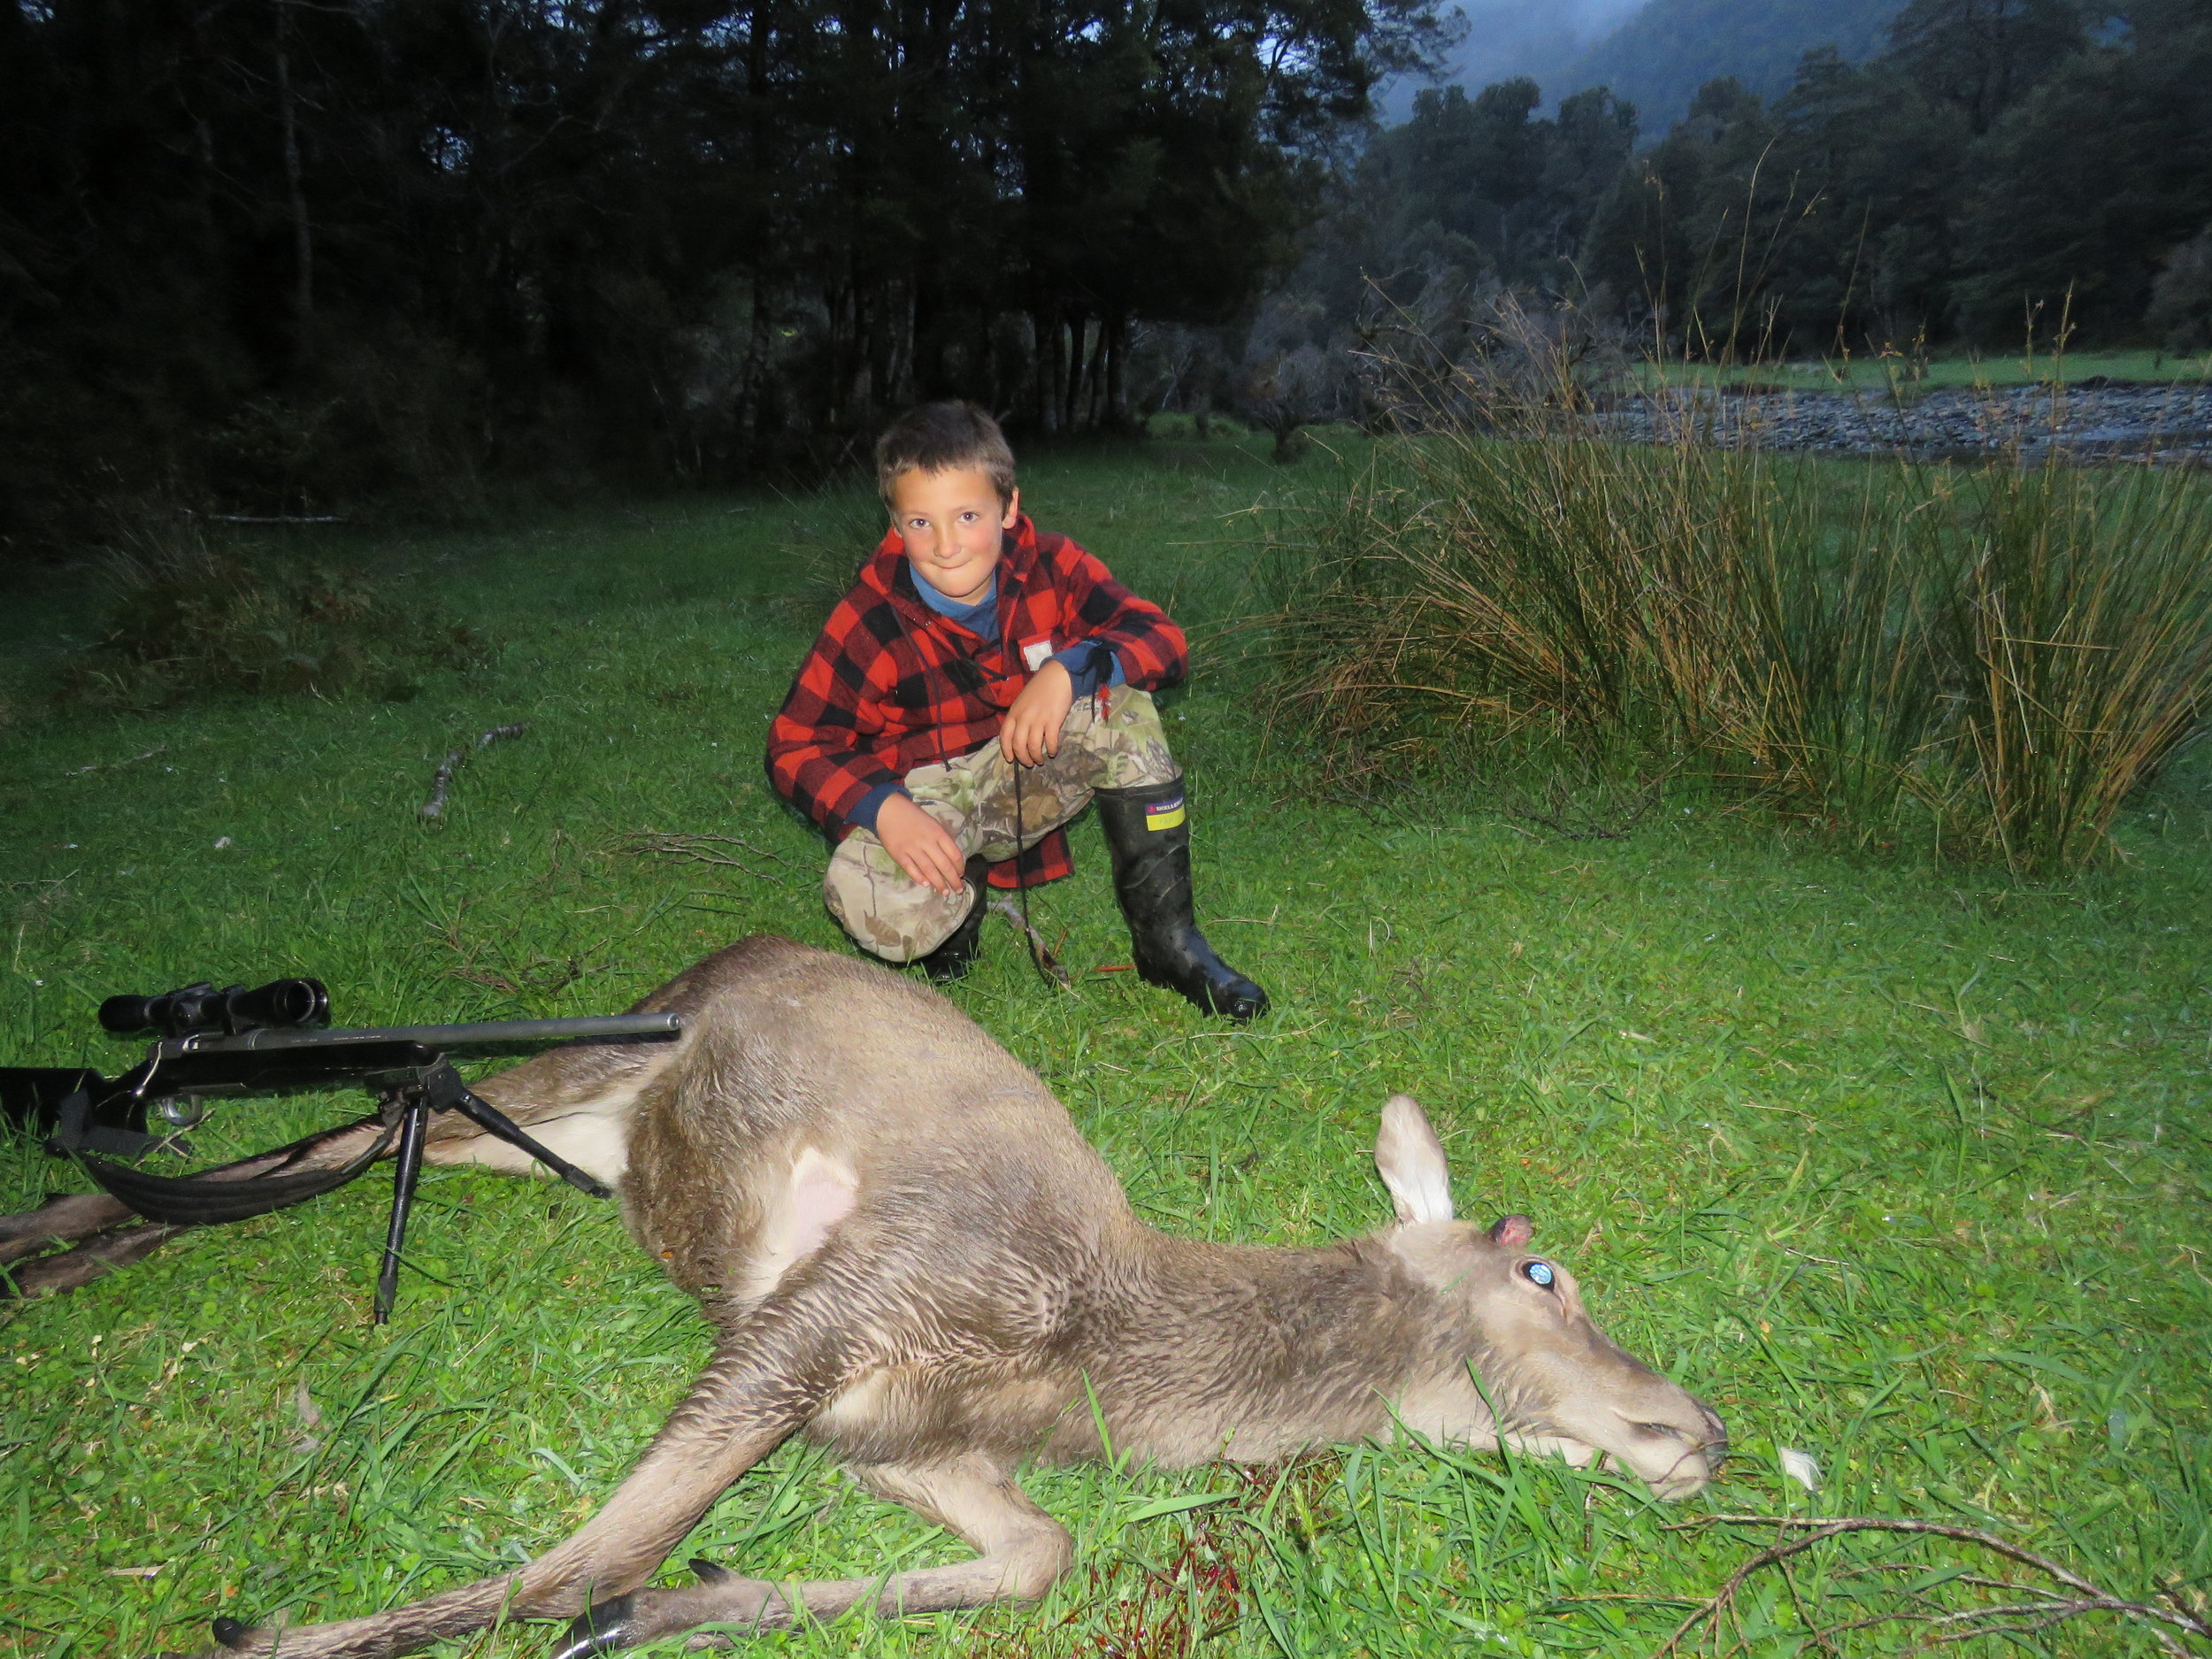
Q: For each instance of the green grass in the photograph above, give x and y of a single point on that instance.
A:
(1952, 370)
(1901, 1167)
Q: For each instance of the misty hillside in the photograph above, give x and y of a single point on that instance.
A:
(1542, 39)
(1665, 52)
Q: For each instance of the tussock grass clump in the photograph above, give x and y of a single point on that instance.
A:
(188, 617)
(2005, 653)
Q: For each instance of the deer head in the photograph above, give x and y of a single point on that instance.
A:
(1528, 1365)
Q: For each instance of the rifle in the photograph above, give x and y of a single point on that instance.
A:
(271, 1040)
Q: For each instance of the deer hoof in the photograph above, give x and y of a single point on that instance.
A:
(605, 1628)
(708, 1572)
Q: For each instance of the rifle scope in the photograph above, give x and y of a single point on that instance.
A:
(190, 1009)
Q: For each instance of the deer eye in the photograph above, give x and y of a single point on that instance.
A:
(1538, 1273)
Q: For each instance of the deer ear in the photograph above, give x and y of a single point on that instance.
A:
(1411, 1160)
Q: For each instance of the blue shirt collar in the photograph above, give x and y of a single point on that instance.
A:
(945, 605)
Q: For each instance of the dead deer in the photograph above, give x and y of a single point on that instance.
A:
(910, 1256)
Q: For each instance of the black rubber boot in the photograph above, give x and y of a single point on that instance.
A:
(952, 959)
(1148, 834)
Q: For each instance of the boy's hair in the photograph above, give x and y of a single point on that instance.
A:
(934, 437)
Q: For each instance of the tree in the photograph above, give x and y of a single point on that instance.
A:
(1686, 232)
(2086, 186)
(1983, 55)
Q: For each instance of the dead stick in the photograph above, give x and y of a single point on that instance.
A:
(1820, 1530)
(433, 808)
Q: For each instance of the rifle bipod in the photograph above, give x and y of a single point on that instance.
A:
(404, 1067)
(409, 1106)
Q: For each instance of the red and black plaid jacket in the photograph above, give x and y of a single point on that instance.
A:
(892, 685)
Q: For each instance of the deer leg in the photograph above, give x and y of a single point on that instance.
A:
(577, 1100)
(773, 1370)
(75, 1215)
(67, 1271)
(1022, 1551)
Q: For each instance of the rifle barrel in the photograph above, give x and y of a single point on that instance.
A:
(480, 1034)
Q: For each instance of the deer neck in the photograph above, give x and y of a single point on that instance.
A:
(1203, 1351)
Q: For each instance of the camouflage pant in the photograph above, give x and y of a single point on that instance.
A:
(898, 918)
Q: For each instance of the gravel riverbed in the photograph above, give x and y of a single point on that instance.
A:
(2162, 424)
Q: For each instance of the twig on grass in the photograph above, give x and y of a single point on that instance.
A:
(433, 809)
(1573, 822)
(271, 518)
(103, 765)
(700, 850)
(2012, 1619)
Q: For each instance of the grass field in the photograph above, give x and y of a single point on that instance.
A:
(1900, 1167)
(1873, 372)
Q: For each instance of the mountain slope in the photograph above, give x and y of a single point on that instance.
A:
(1662, 54)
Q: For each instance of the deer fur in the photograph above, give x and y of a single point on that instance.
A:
(910, 1256)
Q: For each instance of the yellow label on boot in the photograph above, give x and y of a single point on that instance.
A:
(1163, 814)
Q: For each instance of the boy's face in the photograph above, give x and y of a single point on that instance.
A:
(951, 522)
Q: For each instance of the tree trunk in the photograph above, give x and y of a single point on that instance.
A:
(1051, 366)
(1071, 374)
(1095, 377)
(303, 240)
(755, 370)
(752, 387)
(1116, 355)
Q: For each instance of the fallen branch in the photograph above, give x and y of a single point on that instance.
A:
(271, 518)
(1573, 824)
(79, 771)
(442, 781)
(2049, 1608)
(699, 849)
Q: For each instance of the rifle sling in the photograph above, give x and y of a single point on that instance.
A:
(199, 1201)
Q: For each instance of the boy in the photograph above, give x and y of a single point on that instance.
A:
(973, 646)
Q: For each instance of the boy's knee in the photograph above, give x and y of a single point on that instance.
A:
(887, 912)
(1129, 746)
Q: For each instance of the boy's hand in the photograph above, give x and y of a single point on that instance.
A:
(1031, 729)
(924, 848)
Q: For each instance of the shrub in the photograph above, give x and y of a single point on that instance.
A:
(189, 618)
(2006, 653)
(2181, 300)
(2083, 625)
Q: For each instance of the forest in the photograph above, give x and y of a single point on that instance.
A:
(289, 257)
(1666, 49)
(2000, 166)
(2003, 165)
